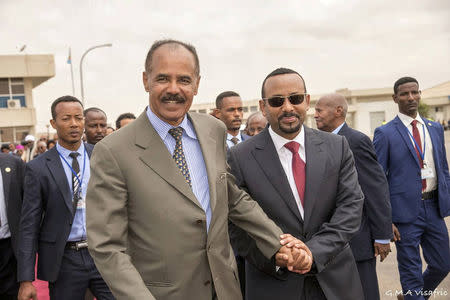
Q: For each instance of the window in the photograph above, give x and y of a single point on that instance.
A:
(12, 88)
(202, 111)
(253, 108)
(245, 108)
(377, 119)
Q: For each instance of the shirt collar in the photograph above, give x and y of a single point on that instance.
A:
(229, 137)
(338, 128)
(162, 128)
(280, 141)
(65, 152)
(407, 119)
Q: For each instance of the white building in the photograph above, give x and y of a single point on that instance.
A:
(19, 74)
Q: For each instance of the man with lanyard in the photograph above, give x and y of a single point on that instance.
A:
(54, 213)
(411, 150)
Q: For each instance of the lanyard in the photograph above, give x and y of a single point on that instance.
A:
(422, 154)
(73, 171)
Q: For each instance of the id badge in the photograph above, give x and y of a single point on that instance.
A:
(426, 173)
(81, 203)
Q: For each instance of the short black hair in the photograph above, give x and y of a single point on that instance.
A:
(280, 71)
(124, 116)
(93, 109)
(403, 80)
(66, 98)
(159, 43)
(5, 146)
(222, 95)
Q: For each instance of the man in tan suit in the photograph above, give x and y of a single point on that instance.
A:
(160, 196)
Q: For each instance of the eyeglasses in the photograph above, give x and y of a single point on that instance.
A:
(278, 101)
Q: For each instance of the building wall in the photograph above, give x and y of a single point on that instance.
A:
(16, 123)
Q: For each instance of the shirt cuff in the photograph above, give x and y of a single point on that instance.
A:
(382, 241)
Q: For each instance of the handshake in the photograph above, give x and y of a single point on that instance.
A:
(294, 255)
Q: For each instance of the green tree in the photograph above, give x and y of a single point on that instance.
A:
(424, 110)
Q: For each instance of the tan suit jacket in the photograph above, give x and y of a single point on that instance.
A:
(146, 229)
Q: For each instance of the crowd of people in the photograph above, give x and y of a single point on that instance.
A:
(178, 205)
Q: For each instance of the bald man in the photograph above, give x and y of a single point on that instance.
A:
(256, 122)
(376, 224)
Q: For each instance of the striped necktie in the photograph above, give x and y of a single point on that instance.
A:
(178, 154)
(76, 188)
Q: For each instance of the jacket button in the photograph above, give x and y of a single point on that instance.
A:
(207, 282)
(199, 222)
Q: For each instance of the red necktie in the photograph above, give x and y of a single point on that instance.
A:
(416, 136)
(298, 169)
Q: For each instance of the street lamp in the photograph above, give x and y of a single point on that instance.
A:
(81, 67)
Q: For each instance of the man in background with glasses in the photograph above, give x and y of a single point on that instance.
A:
(306, 182)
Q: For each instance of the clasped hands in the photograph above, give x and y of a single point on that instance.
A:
(294, 255)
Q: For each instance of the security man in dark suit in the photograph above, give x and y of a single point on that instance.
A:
(376, 224)
(11, 190)
(53, 221)
(230, 111)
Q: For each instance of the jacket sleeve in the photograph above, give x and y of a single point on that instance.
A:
(381, 145)
(107, 226)
(31, 214)
(243, 244)
(245, 213)
(375, 188)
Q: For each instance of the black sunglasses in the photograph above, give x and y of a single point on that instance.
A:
(278, 101)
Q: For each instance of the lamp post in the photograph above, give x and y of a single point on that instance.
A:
(81, 67)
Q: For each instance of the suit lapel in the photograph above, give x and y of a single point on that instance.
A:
(6, 176)
(406, 138)
(157, 157)
(315, 170)
(434, 140)
(267, 157)
(56, 169)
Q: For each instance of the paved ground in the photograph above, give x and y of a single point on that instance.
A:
(388, 273)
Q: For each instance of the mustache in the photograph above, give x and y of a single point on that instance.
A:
(287, 115)
(173, 98)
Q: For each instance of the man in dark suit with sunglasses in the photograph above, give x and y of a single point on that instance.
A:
(306, 182)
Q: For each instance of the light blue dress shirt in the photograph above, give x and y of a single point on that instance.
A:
(193, 154)
(78, 230)
(336, 132)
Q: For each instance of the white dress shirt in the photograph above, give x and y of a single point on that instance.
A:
(429, 159)
(4, 228)
(285, 156)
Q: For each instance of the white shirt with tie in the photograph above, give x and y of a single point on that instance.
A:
(429, 159)
(285, 156)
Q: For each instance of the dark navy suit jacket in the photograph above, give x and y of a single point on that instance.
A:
(399, 160)
(46, 218)
(12, 168)
(332, 214)
(376, 222)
